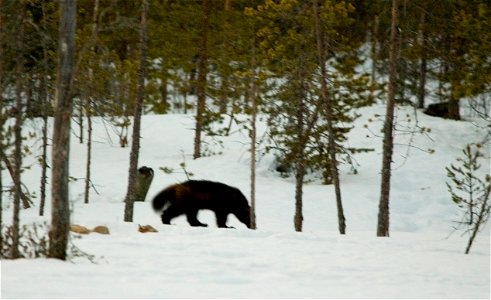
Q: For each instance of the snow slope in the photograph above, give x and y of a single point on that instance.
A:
(419, 260)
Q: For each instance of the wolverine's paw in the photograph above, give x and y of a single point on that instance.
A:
(198, 224)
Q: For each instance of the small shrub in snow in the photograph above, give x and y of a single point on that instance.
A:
(469, 191)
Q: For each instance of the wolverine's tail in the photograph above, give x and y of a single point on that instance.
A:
(158, 203)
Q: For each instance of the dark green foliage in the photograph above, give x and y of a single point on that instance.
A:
(287, 43)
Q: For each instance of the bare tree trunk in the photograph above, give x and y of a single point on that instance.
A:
(81, 122)
(18, 136)
(373, 55)
(60, 208)
(253, 135)
(301, 133)
(88, 109)
(201, 83)
(1, 128)
(135, 145)
(11, 168)
(481, 217)
(44, 104)
(388, 143)
(453, 103)
(423, 63)
(330, 127)
(88, 113)
(299, 176)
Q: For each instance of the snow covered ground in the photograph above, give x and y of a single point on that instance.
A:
(420, 259)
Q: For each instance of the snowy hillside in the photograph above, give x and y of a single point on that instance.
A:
(419, 260)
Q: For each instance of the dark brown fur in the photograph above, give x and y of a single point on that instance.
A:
(191, 196)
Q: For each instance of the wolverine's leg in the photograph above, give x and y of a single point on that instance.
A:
(170, 213)
(221, 220)
(192, 216)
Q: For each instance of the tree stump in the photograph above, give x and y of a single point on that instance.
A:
(143, 180)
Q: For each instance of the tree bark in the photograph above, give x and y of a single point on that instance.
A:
(201, 83)
(88, 108)
(135, 145)
(481, 217)
(88, 113)
(1, 127)
(253, 135)
(373, 55)
(421, 93)
(327, 100)
(301, 133)
(18, 135)
(60, 210)
(388, 142)
(44, 104)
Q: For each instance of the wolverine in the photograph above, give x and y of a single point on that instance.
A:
(190, 196)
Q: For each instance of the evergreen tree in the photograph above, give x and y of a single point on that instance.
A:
(297, 118)
(469, 192)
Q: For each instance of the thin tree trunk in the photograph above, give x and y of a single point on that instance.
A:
(1, 128)
(164, 92)
(302, 135)
(481, 218)
(135, 145)
(388, 143)
(373, 55)
(60, 209)
(44, 104)
(11, 168)
(81, 122)
(453, 103)
(253, 135)
(423, 63)
(18, 136)
(201, 83)
(299, 176)
(330, 127)
(88, 109)
(88, 113)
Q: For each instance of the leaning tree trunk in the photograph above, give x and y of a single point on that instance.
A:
(201, 83)
(330, 127)
(60, 210)
(481, 217)
(135, 144)
(388, 143)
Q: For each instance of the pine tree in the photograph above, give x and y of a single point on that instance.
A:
(469, 192)
(327, 101)
(297, 119)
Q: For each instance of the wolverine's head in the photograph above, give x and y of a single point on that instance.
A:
(244, 215)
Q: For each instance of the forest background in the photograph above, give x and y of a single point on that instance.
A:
(232, 57)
